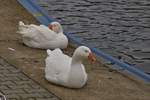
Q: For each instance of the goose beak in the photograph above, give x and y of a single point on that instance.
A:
(50, 27)
(91, 58)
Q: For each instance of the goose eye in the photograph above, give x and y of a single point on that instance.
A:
(86, 51)
(55, 25)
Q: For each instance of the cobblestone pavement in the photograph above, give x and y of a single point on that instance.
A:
(17, 86)
(118, 27)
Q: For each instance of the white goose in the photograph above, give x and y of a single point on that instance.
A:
(43, 37)
(66, 71)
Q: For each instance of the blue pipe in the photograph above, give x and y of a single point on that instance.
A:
(43, 18)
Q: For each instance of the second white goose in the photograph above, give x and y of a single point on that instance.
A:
(43, 37)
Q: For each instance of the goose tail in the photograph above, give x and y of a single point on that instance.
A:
(21, 27)
(49, 52)
(21, 23)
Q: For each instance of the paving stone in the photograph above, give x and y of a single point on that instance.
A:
(30, 90)
(12, 96)
(31, 99)
(31, 95)
(4, 87)
(25, 86)
(17, 86)
(8, 78)
(12, 99)
(13, 91)
(7, 83)
(46, 99)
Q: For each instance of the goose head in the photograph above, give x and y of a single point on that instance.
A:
(83, 52)
(56, 27)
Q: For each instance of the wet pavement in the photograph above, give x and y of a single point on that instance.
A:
(120, 28)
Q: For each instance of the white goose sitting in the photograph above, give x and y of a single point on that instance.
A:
(43, 37)
(66, 71)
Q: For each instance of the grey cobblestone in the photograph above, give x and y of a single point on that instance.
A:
(4, 87)
(33, 95)
(12, 96)
(13, 99)
(17, 86)
(23, 78)
(30, 90)
(8, 78)
(31, 99)
(15, 91)
(25, 86)
(46, 99)
(7, 83)
(35, 86)
(23, 82)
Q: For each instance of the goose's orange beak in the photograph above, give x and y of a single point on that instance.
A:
(50, 27)
(91, 58)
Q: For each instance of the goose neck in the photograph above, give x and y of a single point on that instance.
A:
(76, 59)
